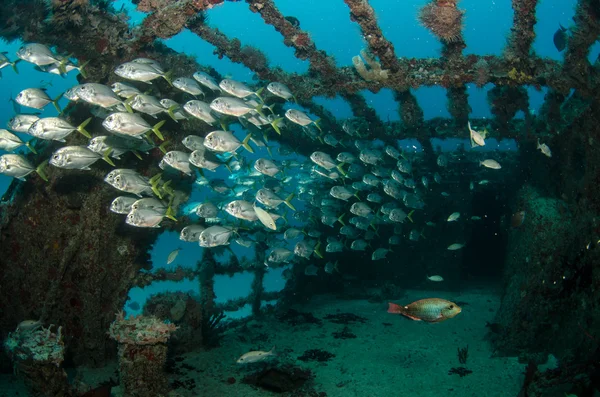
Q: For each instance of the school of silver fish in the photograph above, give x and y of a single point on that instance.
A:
(352, 185)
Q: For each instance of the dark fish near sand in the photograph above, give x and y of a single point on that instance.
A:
(432, 310)
(560, 38)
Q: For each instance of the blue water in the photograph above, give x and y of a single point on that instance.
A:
(487, 26)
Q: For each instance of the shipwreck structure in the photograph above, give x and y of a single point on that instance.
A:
(76, 271)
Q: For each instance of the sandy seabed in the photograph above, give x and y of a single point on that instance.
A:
(390, 355)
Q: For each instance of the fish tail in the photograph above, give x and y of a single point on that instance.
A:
(40, 170)
(246, 145)
(288, 202)
(62, 65)
(106, 158)
(170, 213)
(82, 130)
(223, 125)
(169, 77)
(30, 147)
(171, 112)
(409, 216)
(14, 65)
(340, 167)
(156, 129)
(269, 151)
(81, 69)
(258, 92)
(56, 105)
(258, 110)
(317, 251)
(395, 309)
(163, 146)
(317, 121)
(340, 219)
(275, 126)
(136, 154)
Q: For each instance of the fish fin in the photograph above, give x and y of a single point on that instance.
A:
(14, 65)
(316, 122)
(258, 92)
(40, 170)
(30, 147)
(317, 251)
(223, 125)
(81, 128)
(55, 103)
(274, 124)
(340, 168)
(106, 158)
(163, 146)
(269, 151)
(135, 153)
(170, 214)
(171, 112)
(246, 145)
(395, 309)
(340, 219)
(169, 77)
(156, 129)
(409, 216)
(81, 69)
(288, 201)
(127, 105)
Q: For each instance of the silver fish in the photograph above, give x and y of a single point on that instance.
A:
(145, 218)
(241, 209)
(237, 89)
(122, 204)
(178, 160)
(36, 98)
(191, 233)
(200, 110)
(206, 81)
(280, 90)
(139, 71)
(215, 236)
(188, 85)
(131, 125)
(74, 158)
(266, 167)
(98, 94)
(57, 129)
(231, 106)
(207, 210)
(17, 166)
(225, 141)
(22, 122)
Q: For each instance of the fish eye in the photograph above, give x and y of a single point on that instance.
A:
(451, 307)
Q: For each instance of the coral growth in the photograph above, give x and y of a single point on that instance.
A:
(444, 20)
(37, 355)
(374, 73)
(142, 353)
(140, 330)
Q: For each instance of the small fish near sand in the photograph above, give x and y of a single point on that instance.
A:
(431, 310)
(436, 278)
(256, 356)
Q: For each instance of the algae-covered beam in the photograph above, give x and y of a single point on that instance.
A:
(576, 66)
(168, 18)
(411, 113)
(362, 13)
(178, 274)
(522, 32)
